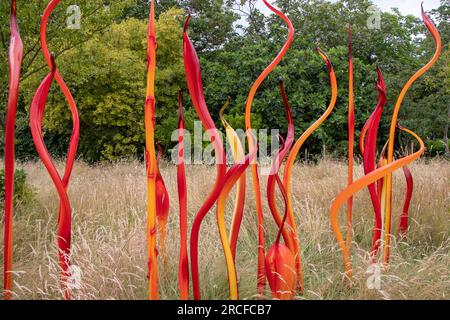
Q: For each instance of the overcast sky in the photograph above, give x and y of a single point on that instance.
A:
(405, 6)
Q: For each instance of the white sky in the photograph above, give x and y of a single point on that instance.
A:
(405, 6)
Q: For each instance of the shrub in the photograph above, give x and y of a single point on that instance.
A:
(23, 192)
(435, 148)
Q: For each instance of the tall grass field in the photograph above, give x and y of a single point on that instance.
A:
(109, 239)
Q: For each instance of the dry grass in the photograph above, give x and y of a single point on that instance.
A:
(109, 235)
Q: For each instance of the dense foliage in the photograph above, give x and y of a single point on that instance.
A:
(23, 192)
(104, 65)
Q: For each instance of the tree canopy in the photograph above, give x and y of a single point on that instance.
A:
(104, 64)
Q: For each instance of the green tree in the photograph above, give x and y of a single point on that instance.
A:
(97, 16)
(140, 10)
(104, 66)
(211, 24)
(107, 76)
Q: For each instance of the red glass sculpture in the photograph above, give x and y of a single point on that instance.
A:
(15, 62)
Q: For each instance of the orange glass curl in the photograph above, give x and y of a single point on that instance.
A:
(290, 163)
(151, 166)
(360, 184)
(251, 144)
(390, 150)
(351, 133)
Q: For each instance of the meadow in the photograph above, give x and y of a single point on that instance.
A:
(109, 242)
